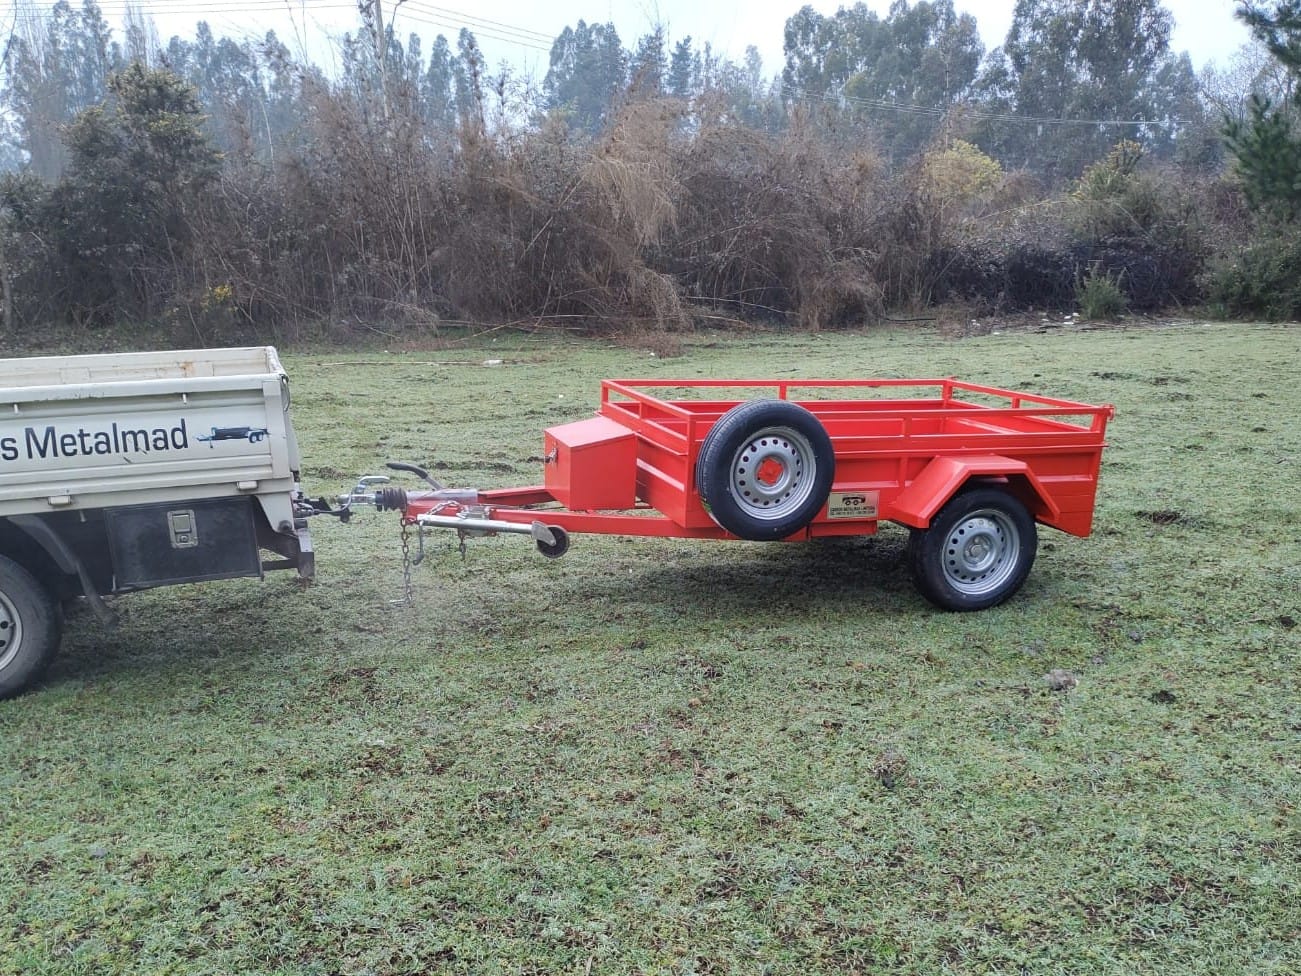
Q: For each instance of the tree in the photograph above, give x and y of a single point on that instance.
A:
(141, 36)
(649, 65)
(822, 53)
(58, 64)
(469, 75)
(1278, 26)
(1080, 74)
(139, 163)
(228, 83)
(438, 88)
(373, 66)
(11, 154)
(1191, 142)
(1266, 144)
(588, 72)
(286, 81)
(898, 75)
(1251, 70)
(746, 97)
(683, 70)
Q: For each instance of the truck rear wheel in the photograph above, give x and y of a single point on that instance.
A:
(765, 469)
(977, 552)
(29, 628)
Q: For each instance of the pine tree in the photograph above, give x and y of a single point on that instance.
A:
(649, 64)
(683, 69)
(1267, 145)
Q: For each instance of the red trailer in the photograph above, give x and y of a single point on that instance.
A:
(969, 469)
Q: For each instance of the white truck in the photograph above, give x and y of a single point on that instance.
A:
(129, 471)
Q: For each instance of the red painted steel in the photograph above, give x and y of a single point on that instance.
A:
(591, 464)
(903, 447)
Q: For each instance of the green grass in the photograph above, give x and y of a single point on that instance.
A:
(676, 757)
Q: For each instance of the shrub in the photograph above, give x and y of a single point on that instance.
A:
(1039, 276)
(960, 174)
(31, 278)
(1100, 295)
(663, 218)
(969, 271)
(1262, 279)
(1140, 226)
(777, 227)
(140, 164)
(1108, 182)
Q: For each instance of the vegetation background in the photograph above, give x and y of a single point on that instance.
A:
(220, 190)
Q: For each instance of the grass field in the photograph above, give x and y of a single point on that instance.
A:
(676, 757)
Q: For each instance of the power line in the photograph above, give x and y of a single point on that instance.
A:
(940, 112)
(475, 27)
(421, 13)
(491, 24)
(178, 8)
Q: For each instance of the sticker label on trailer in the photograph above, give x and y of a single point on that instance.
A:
(853, 504)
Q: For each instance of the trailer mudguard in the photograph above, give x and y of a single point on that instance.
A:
(943, 477)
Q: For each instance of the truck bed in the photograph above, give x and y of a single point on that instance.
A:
(59, 373)
(86, 432)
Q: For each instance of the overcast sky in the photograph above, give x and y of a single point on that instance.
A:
(520, 31)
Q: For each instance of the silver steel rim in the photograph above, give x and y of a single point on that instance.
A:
(11, 631)
(980, 553)
(772, 473)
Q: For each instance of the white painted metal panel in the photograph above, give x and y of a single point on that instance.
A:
(92, 431)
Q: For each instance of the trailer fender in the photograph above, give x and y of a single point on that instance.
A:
(944, 477)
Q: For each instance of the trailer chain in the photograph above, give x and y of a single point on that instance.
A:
(406, 568)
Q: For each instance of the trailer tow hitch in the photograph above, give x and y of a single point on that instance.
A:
(460, 509)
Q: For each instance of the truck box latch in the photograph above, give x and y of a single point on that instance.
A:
(182, 527)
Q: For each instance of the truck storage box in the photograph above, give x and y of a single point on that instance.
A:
(591, 464)
(183, 542)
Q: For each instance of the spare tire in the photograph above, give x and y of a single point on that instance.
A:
(765, 469)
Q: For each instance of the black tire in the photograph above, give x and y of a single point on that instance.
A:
(30, 628)
(790, 444)
(560, 547)
(977, 552)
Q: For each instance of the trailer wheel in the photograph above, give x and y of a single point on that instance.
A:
(560, 547)
(29, 628)
(765, 469)
(977, 552)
